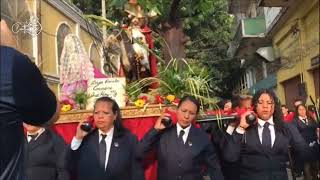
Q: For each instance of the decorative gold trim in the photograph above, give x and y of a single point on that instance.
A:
(73, 116)
(126, 113)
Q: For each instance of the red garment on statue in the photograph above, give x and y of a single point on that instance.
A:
(152, 59)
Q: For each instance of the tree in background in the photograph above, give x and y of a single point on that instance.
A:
(198, 30)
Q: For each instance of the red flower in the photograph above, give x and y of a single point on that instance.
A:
(159, 99)
(145, 98)
(176, 100)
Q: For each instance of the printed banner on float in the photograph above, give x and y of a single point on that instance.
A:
(111, 87)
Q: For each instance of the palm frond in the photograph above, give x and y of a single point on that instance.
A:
(179, 77)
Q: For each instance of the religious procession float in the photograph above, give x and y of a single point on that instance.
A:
(134, 74)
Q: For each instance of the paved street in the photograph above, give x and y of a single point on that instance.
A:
(288, 170)
(290, 176)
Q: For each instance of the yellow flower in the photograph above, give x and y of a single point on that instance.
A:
(170, 97)
(139, 102)
(66, 107)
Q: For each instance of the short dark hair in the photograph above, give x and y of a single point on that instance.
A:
(192, 99)
(115, 109)
(223, 102)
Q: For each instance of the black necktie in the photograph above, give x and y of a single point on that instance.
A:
(180, 137)
(266, 136)
(102, 150)
(305, 121)
(33, 137)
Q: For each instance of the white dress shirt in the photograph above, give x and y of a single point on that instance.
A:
(304, 120)
(271, 128)
(39, 132)
(75, 143)
(230, 129)
(261, 122)
(186, 132)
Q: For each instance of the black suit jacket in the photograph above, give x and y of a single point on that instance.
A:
(230, 170)
(308, 132)
(122, 162)
(187, 163)
(34, 105)
(257, 162)
(45, 158)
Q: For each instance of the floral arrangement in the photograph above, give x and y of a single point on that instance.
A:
(67, 104)
(144, 99)
(177, 79)
(75, 101)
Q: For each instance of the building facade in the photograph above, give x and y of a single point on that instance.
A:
(57, 18)
(297, 43)
(277, 43)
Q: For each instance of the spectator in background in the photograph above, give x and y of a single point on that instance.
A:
(287, 115)
(24, 97)
(310, 109)
(297, 102)
(245, 104)
(313, 112)
(227, 106)
(307, 127)
(46, 154)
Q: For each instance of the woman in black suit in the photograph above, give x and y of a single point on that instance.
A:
(307, 126)
(182, 149)
(262, 149)
(107, 152)
(45, 154)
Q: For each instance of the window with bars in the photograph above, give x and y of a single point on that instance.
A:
(247, 80)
